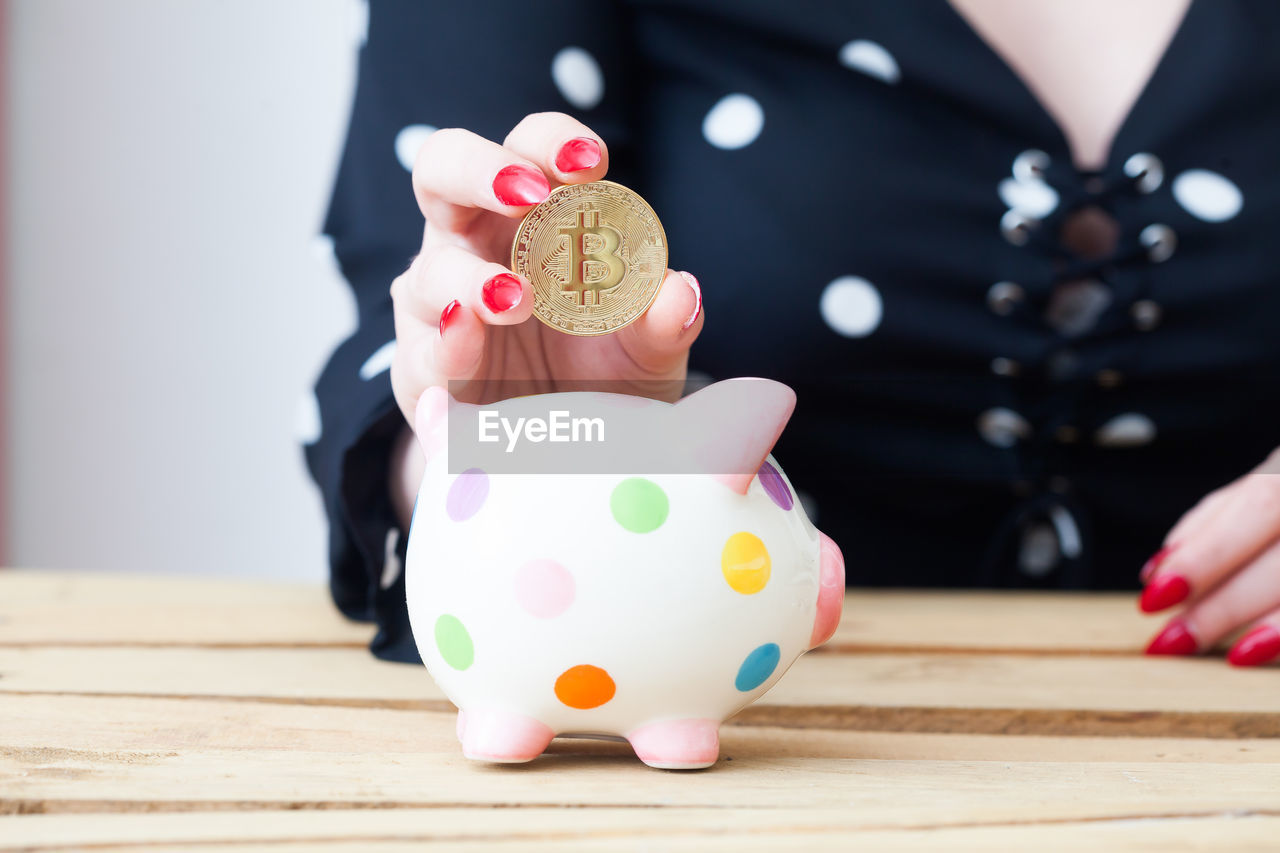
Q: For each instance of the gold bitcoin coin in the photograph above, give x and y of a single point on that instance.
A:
(596, 255)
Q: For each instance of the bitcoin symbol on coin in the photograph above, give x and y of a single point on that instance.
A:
(585, 259)
(596, 255)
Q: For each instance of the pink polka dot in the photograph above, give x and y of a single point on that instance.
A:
(544, 588)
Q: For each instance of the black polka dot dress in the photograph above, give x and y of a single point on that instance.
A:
(1011, 373)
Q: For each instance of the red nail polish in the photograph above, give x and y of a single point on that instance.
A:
(578, 154)
(1164, 591)
(1175, 639)
(1259, 646)
(520, 185)
(447, 314)
(1149, 567)
(502, 292)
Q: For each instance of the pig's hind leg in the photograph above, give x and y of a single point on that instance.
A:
(502, 737)
(677, 744)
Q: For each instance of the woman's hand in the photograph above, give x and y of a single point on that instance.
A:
(463, 317)
(1222, 560)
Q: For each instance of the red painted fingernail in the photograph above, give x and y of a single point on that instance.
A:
(697, 296)
(1164, 591)
(447, 314)
(578, 154)
(502, 292)
(1175, 639)
(520, 185)
(1150, 566)
(1259, 646)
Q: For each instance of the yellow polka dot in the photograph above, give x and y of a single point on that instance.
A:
(745, 563)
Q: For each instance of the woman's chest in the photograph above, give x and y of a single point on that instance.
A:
(1086, 61)
(844, 189)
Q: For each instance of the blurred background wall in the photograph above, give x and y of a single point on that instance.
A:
(168, 299)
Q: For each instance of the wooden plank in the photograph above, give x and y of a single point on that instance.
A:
(92, 755)
(902, 692)
(66, 608)
(895, 792)
(118, 726)
(79, 608)
(554, 829)
(1009, 621)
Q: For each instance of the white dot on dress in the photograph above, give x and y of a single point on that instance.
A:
(391, 564)
(871, 59)
(1003, 427)
(360, 22)
(809, 503)
(851, 306)
(734, 122)
(1031, 197)
(1128, 430)
(409, 140)
(1038, 552)
(1207, 195)
(306, 419)
(578, 77)
(379, 361)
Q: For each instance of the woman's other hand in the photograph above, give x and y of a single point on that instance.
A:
(1222, 562)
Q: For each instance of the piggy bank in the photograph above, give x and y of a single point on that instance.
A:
(648, 606)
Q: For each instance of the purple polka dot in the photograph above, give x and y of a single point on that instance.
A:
(467, 494)
(775, 486)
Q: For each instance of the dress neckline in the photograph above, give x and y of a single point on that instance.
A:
(1169, 59)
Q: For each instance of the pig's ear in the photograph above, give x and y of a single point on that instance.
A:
(734, 424)
(431, 420)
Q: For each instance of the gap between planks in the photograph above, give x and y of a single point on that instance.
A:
(831, 648)
(762, 820)
(1219, 725)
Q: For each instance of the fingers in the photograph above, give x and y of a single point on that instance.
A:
(458, 175)
(1197, 518)
(459, 344)
(445, 273)
(443, 303)
(1199, 515)
(1260, 645)
(564, 147)
(1246, 523)
(659, 341)
(1252, 592)
(449, 350)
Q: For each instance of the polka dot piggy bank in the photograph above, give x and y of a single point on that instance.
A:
(640, 605)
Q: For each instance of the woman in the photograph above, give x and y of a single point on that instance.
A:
(1015, 258)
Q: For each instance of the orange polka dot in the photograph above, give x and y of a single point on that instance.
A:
(584, 686)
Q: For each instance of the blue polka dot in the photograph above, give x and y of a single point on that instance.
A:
(757, 668)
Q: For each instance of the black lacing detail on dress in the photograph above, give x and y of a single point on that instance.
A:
(1053, 407)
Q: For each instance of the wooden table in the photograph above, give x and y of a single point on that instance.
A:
(153, 713)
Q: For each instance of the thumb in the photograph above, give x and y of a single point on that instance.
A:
(659, 341)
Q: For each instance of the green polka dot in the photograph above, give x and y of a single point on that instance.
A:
(639, 505)
(454, 642)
